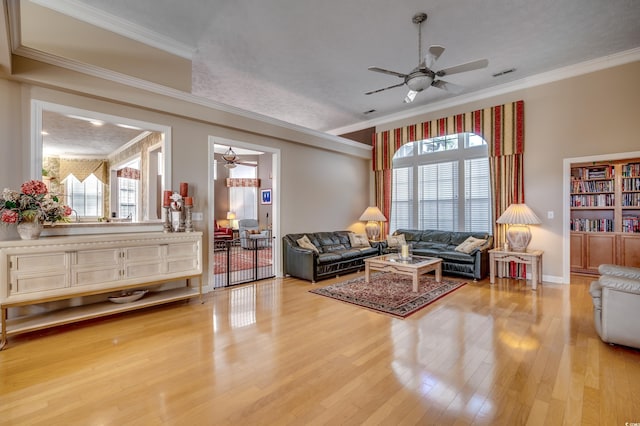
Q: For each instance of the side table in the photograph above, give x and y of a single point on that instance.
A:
(530, 257)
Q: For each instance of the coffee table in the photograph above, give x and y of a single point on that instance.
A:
(415, 266)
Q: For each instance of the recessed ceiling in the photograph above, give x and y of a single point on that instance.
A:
(306, 62)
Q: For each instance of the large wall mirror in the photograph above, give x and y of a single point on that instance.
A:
(108, 168)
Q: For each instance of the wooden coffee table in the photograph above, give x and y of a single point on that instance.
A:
(414, 267)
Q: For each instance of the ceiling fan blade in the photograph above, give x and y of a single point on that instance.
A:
(382, 70)
(449, 87)
(246, 164)
(432, 55)
(469, 66)
(380, 90)
(410, 96)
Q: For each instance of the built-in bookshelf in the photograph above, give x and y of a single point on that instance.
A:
(605, 214)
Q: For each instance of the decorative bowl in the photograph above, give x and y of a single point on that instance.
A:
(127, 297)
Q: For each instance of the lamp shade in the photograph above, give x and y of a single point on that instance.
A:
(231, 215)
(518, 214)
(373, 214)
(519, 217)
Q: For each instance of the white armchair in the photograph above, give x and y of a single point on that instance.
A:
(616, 305)
(250, 235)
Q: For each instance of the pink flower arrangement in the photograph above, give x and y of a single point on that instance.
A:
(33, 203)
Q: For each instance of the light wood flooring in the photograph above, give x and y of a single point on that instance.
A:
(272, 353)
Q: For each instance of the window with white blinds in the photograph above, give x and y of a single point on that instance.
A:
(443, 185)
(86, 198)
(243, 201)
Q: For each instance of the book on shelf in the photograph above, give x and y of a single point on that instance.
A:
(631, 170)
(593, 172)
(591, 225)
(631, 224)
(593, 200)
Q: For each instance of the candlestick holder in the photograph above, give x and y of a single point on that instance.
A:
(187, 221)
(167, 220)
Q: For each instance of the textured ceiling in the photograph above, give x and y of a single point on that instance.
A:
(66, 136)
(306, 62)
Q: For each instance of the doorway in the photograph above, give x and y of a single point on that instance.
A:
(239, 174)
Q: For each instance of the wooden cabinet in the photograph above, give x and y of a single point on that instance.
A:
(605, 214)
(57, 268)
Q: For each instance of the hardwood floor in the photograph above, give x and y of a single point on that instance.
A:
(273, 353)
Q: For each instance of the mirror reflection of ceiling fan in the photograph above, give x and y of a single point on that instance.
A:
(423, 76)
(232, 160)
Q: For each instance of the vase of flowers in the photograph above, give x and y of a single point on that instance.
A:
(31, 207)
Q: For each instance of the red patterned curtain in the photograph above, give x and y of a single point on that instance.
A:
(502, 126)
(128, 173)
(242, 182)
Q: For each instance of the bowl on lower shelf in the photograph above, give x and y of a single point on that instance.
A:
(128, 297)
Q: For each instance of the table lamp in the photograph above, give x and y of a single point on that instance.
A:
(373, 216)
(518, 217)
(231, 216)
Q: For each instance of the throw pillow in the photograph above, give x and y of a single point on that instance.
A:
(254, 231)
(304, 242)
(396, 240)
(358, 240)
(470, 244)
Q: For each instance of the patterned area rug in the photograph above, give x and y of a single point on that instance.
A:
(241, 259)
(390, 293)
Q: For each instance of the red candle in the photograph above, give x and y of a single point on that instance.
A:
(188, 201)
(166, 200)
(184, 189)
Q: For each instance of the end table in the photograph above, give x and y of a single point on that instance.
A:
(529, 257)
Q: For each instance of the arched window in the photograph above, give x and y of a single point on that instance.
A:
(442, 183)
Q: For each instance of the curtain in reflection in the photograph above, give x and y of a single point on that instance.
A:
(82, 169)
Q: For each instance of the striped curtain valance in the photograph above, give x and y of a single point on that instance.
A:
(243, 182)
(502, 126)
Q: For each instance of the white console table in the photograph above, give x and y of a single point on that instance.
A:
(66, 267)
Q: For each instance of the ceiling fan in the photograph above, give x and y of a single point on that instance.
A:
(423, 76)
(232, 160)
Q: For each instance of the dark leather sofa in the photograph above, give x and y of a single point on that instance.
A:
(442, 244)
(335, 255)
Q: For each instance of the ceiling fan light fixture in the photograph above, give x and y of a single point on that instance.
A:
(230, 157)
(419, 82)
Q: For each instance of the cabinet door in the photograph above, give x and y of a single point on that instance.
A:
(89, 267)
(601, 248)
(183, 257)
(37, 272)
(629, 250)
(576, 242)
(143, 261)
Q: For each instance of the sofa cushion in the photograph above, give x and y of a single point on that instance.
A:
(394, 241)
(469, 245)
(304, 242)
(433, 236)
(331, 248)
(359, 240)
(410, 235)
(329, 257)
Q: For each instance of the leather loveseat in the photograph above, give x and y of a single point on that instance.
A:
(334, 256)
(443, 244)
(616, 305)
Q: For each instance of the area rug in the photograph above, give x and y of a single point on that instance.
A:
(390, 293)
(241, 259)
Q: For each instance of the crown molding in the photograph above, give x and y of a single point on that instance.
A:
(114, 24)
(570, 71)
(363, 150)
